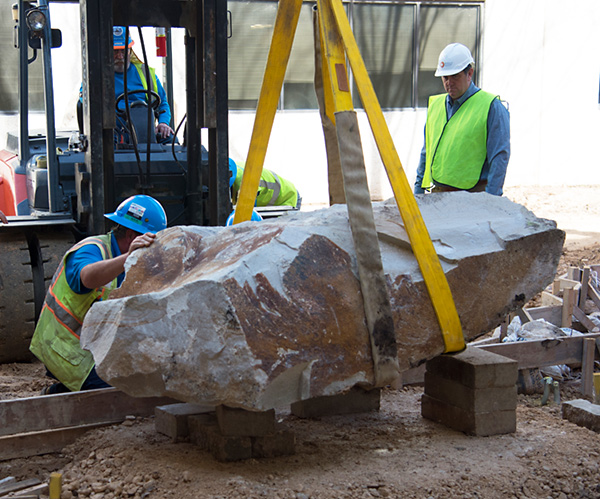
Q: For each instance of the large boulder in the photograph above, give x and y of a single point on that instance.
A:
(261, 315)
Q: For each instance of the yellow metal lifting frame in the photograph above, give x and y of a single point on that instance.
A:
(337, 44)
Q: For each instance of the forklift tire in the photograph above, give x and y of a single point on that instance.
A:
(27, 263)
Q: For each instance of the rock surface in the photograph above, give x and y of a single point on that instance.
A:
(263, 315)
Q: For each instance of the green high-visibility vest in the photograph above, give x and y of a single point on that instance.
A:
(456, 149)
(56, 338)
(141, 69)
(272, 189)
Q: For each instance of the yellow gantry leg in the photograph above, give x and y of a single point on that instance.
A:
(286, 22)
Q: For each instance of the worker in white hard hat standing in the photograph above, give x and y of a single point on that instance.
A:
(467, 132)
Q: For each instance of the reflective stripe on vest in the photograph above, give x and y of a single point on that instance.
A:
(456, 149)
(274, 186)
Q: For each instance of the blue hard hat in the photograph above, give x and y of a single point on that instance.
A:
(140, 213)
(232, 172)
(119, 38)
(255, 218)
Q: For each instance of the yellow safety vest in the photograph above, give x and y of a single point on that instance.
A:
(142, 73)
(456, 149)
(56, 338)
(272, 189)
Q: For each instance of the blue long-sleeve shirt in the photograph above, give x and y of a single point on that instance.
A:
(498, 144)
(135, 83)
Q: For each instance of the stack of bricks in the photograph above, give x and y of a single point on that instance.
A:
(473, 391)
(228, 434)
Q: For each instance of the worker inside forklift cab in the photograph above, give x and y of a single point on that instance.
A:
(89, 271)
(126, 60)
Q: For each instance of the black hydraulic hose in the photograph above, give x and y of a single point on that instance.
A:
(173, 144)
(149, 85)
(132, 132)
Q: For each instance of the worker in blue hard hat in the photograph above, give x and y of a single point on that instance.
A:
(89, 271)
(126, 60)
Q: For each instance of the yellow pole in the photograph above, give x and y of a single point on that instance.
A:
(286, 22)
(433, 274)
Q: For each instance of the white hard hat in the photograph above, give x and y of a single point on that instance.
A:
(453, 59)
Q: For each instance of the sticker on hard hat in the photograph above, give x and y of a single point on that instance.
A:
(442, 64)
(135, 213)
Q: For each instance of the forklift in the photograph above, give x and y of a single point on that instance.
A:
(55, 188)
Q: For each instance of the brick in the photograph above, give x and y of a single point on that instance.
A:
(196, 424)
(280, 443)
(481, 424)
(471, 399)
(223, 448)
(241, 423)
(582, 413)
(172, 420)
(475, 368)
(357, 400)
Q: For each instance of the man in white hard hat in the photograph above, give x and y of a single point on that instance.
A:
(467, 133)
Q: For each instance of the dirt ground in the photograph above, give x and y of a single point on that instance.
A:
(390, 453)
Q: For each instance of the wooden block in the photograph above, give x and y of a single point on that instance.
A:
(568, 284)
(597, 387)
(574, 274)
(35, 491)
(280, 443)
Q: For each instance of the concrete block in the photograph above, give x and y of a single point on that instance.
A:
(223, 448)
(172, 420)
(241, 423)
(475, 368)
(481, 424)
(355, 401)
(280, 443)
(470, 399)
(582, 413)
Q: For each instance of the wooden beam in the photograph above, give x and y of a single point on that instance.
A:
(567, 310)
(552, 314)
(73, 409)
(584, 320)
(594, 296)
(14, 486)
(548, 300)
(43, 442)
(583, 292)
(587, 367)
(540, 353)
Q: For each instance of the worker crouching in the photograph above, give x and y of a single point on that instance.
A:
(89, 271)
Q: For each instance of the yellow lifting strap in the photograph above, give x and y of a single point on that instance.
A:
(429, 263)
(423, 249)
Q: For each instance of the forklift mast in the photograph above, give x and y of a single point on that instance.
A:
(205, 22)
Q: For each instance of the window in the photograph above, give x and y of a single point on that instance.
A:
(399, 41)
(9, 77)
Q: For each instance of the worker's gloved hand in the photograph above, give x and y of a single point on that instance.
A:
(163, 130)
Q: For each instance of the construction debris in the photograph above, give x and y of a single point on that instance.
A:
(264, 315)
